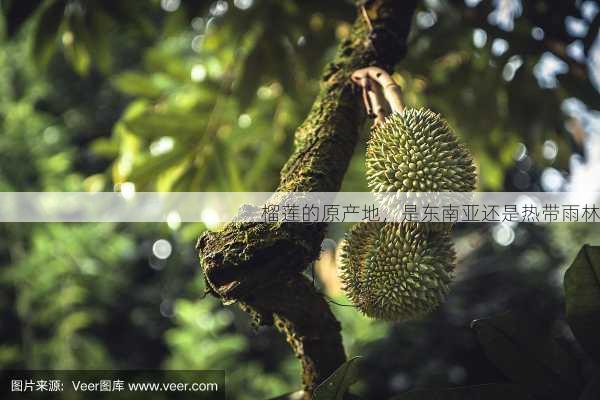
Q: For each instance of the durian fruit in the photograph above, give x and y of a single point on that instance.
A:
(396, 271)
(416, 151)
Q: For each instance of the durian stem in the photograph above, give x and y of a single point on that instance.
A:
(374, 101)
(383, 95)
(260, 265)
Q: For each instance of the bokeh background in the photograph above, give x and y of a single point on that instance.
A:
(177, 95)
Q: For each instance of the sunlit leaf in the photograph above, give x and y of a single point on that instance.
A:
(136, 84)
(76, 47)
(155, 124)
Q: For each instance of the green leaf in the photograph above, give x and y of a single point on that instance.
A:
(151, 124)
(46, 30)
(100, 25)
(150, 171)
(105, 147)
(190, 180)
(233, 180)
(336, 385)
(77, 51)
(136, 84)
(298, 395)
(582, 292)
(523, 351)
(493, 391)
(251, 75)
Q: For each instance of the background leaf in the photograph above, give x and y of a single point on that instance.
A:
(336, 385)
(526, 354)
(76, 48)
(582, 291)
(46, 30)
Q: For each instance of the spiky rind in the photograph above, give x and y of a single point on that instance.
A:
(396, 271)
(416, 151)
(355, 248)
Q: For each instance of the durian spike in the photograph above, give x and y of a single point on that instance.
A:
(376, 81)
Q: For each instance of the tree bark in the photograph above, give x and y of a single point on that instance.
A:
(260, 265)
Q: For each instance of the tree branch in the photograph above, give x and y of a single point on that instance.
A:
(260, 265)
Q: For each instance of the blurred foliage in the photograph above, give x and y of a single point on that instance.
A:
(206, 326)
(205, 96)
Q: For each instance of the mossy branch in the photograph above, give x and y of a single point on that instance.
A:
(260, 265)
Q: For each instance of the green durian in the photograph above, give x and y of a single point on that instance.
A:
(396, 271)
(416, 151)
